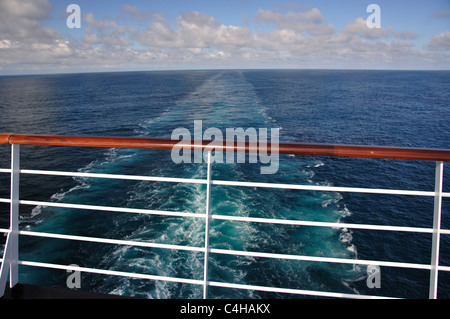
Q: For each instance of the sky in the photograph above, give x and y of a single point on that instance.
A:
(37, 36)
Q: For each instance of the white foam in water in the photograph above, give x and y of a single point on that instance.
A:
(219, 101)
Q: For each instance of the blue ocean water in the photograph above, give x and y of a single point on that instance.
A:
(392, 108)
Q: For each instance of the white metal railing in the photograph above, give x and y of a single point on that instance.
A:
(10, 260)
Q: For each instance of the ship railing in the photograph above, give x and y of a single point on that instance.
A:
(10, 261)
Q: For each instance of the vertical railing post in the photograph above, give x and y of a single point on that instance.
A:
(11, 254)
(436, 229)
(207, 222)
(14, 215)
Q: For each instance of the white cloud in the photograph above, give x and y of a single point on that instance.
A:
(281, 19)
(135, 13)
(160, 35)
(22, 20)
(359, 27)
(5, 44)
(28, 9)
(59, 49)
(107, 32)
(195, 30)
(441, 14)
(440, 42)
(24, 40)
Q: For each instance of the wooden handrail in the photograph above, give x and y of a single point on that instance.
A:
(283, 148)
(4, 138)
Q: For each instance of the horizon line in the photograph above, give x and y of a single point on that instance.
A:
(221, 69)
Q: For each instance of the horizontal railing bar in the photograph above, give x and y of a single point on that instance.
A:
(111, 209)
(283, 148)
(210, 283)
(223, 251)
(321, 259)
(113, 176)
(5, 170)
(196, 282)
(110, 272)
(226, 252)
(3, 230)
(218, 251)
(237, 183)
(323, 224)
(4, 138)
(231, 252)
(295, 291)
(5, 200)
(200, 282)
(111, 241)
(233, 218)
(326, 188)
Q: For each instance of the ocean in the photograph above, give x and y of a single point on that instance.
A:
(386, 108)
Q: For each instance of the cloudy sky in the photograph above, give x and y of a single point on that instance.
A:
(184, 34)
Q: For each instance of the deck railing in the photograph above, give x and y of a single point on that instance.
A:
(10, 260)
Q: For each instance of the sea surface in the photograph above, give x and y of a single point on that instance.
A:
(388, 108)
